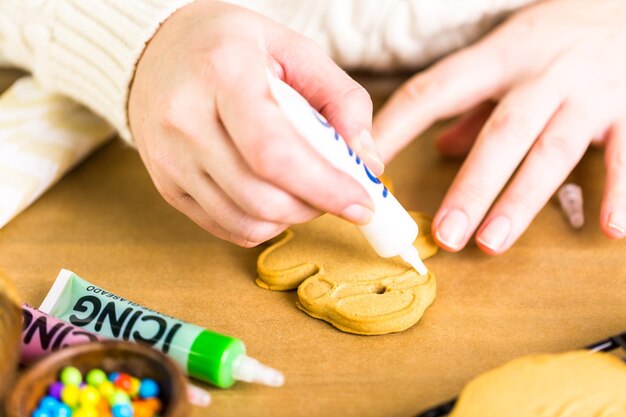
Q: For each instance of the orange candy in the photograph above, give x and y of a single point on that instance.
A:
(103, 408)
(141, 409)
(154, 404)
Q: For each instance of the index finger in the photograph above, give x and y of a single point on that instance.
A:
(344, 103)
(502, 144)
(452, 86)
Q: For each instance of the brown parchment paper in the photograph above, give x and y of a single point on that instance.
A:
(556, 289)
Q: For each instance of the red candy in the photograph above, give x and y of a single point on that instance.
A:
(124, 381)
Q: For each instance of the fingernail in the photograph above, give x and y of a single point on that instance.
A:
(357, 214)
(496, 233)
(452, 229)
(375, 164)
(366, 138)
(373, 160)
(617, 223)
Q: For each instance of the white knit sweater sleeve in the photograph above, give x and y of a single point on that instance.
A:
(388, 34)
(88, 49)
(84, 49)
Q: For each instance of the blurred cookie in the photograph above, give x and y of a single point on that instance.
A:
(572, 384)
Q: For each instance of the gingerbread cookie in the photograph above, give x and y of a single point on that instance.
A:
(341, 280)
(573, 384)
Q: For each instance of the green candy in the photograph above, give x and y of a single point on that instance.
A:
(95, 377)
(119, 397)
(71, 376)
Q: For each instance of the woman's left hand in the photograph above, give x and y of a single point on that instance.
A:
(558, 70)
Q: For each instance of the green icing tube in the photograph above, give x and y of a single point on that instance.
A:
(203, 354)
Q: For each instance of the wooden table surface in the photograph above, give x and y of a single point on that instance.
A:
(556, 289)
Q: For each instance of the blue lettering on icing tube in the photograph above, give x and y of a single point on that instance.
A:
(375, 180)
(321, 119)
(371, 176)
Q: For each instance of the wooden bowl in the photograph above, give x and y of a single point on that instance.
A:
(110, 356)
(10, 331)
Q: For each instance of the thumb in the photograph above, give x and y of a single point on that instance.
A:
(342, 101)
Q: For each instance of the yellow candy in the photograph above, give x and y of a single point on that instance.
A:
(70, 395)
(89, 396)
(134, 387)
(106, 389)
(85, 412)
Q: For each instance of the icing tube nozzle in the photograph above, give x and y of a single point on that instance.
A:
(248, 369)
(411, 256)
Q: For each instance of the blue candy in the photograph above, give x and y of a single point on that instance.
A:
(113, 376)
(63, 411)
(40, 412)
(148, 388)
(122, 410)
(49, 403)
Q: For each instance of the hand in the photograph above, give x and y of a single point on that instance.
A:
(558, 70)
(216, 143)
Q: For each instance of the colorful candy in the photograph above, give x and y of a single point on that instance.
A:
(85, 412)
(64, 410)
(106, 389)
(71, 376)
(96, 377)
(119, 397)
(134, 387)
(148, 389)
(123, 410)
(55, 390)
(70, 395)
(123, 382)
(99, 395)
(154, 404)
(89, 396)
(49, 403)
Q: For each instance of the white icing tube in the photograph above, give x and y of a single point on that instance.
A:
(392, 230)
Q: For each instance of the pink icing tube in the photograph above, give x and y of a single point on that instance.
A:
(43, 334)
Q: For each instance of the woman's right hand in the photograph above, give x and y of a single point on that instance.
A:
(215, 142)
